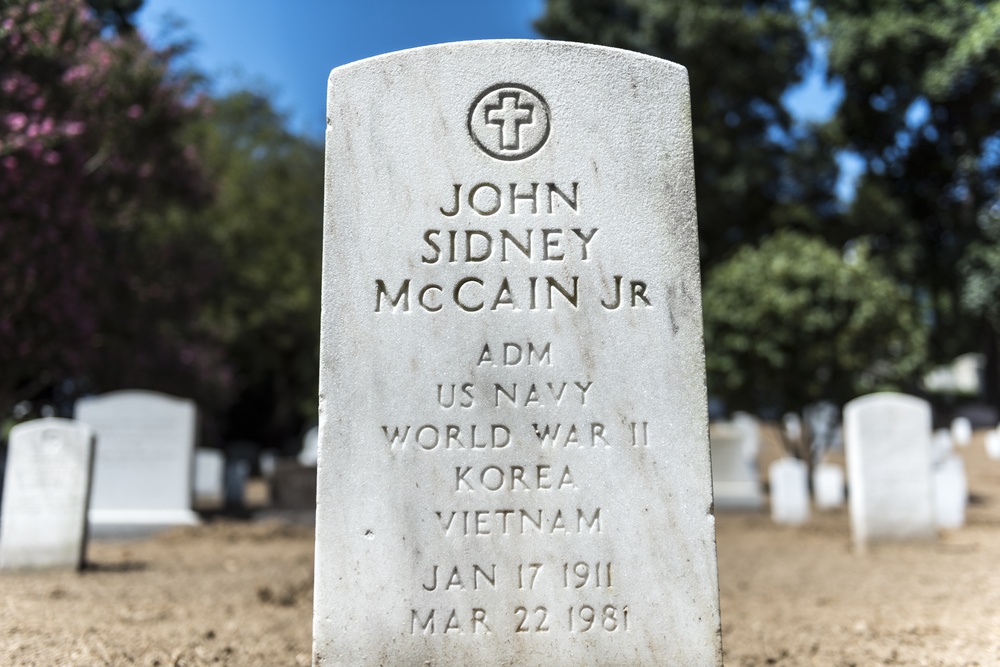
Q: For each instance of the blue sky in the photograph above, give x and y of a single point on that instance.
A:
(289, 48)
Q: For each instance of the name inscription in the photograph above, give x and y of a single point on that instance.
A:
(530, 245)
(536, 497)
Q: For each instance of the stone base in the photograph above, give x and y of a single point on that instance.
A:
(136, 523)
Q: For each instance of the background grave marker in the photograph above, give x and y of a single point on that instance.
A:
(45, 495)
(887, 437)
(144, 463)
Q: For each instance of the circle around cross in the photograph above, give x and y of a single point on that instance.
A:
(509, 121)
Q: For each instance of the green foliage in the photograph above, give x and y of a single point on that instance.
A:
(921, 85)
(752, 173)
(791, 322)
(90, 144)
(266, 225)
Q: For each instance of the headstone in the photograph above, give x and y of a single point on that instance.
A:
(208, 471)
(951, 493)
(888, 446)
(828, 486)
(750, 426)
(513, 421)
(822, 420)
(240, 458)
(793, 426)
(268, 462)
(941, 445)
(144, 461)
(961, 431)
(44, 519)
(735, 483)
(310, 448)
(992, 443)
(789, 482)
(293, 486)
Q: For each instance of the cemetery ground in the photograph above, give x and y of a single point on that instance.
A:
(240, 594)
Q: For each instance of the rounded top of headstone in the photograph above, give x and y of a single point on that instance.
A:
(140, 396)
(50, 423)
(495, 47)
(887, 398)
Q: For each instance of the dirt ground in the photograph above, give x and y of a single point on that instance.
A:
(240, 594)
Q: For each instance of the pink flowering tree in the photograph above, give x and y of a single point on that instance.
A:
(100, 276)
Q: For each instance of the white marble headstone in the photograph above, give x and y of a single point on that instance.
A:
(888, 446)
(310, 447)
(828, 486)
(45, 493)
(992, 444)
(951, 492)
(514, 463)
(789, 482)
(209, 465)
(961, 431)
(144, 462)
(793, 426)
(735, 482)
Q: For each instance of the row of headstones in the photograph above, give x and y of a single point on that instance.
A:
(123, 466)
(904, 481)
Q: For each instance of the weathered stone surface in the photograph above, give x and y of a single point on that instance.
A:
(888, 447)
(789, 482)
(513, 460)
(44, 518)
(144, 461)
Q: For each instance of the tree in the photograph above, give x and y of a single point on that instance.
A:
(753, 173)
(92, 170)
(266, 223)
(921, 84)
(792, 321)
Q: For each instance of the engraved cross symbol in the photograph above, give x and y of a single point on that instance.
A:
(509, 115)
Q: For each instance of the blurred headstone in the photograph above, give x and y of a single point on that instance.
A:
(822, 422)
(951, 492)
(992, 443)
(735, 482)
(310, 449)
(208, 483)
(240, 457)
(484, 148)
(887, 437)
(793, 426)
(45, 495)
(961, 431)
(144, 461)
(293, 486)
(788, 479)
(268, 462)
(828, 486)
(941, 445)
